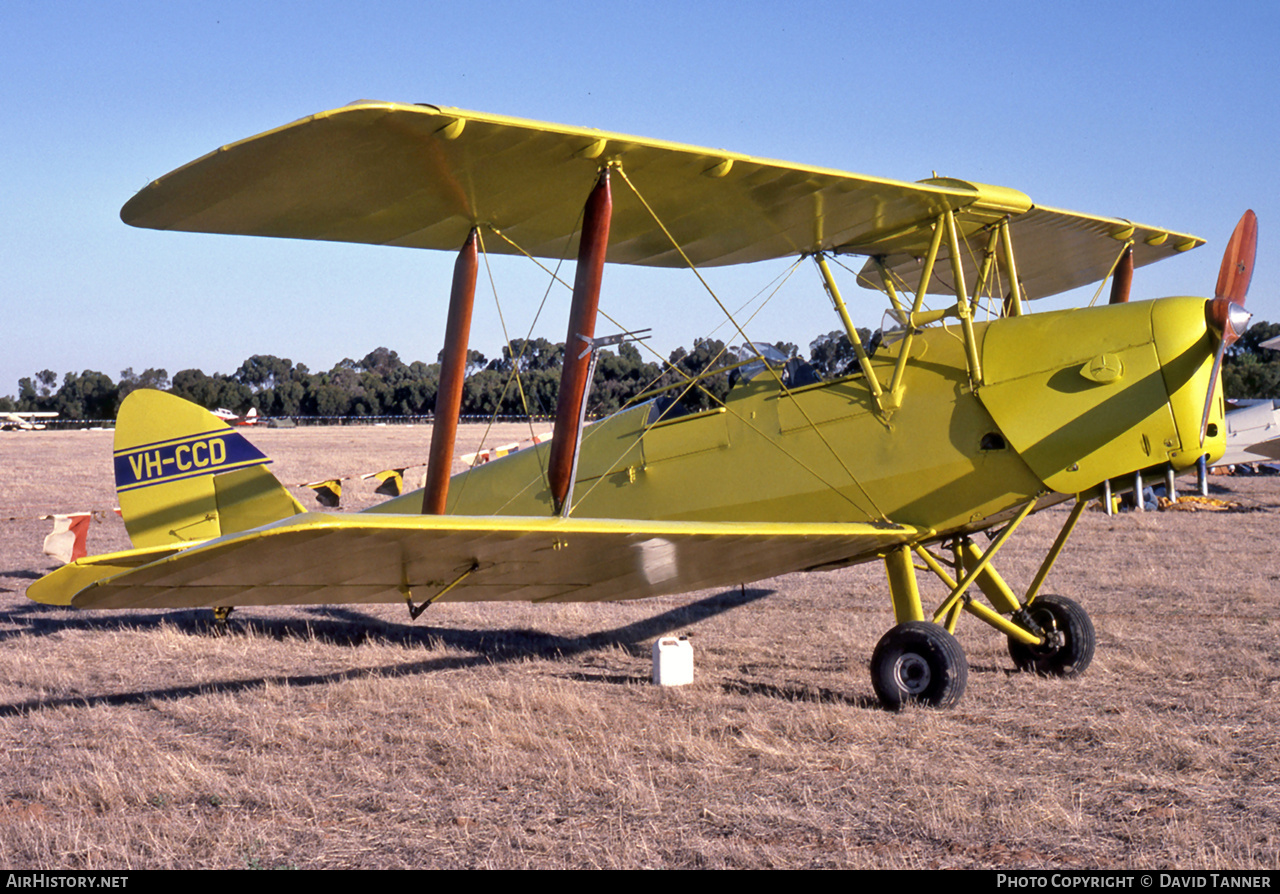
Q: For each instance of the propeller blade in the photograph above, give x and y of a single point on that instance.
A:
(1226, 313)
(1237, 260)
(1122, 279)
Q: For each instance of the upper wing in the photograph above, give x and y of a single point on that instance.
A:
(422, 176)
(318, 558)
(1056, 251)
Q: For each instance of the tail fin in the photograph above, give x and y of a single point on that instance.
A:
(182, 474)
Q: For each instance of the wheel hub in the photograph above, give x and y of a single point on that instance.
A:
(1053, 637)
(1069, 639)
(912, 673)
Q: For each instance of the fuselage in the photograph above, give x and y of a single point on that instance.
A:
(1066, 400)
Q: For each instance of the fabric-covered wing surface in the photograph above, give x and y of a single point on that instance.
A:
(318, 558)
(422, 176)
(1056, 251)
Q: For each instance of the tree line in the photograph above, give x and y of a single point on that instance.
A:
(381, 384)
(1250, 371)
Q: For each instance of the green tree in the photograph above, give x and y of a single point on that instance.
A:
(262, 372)
(89, 395)
(414, 387)
(37, 394)
(1250, 371)
(381, 361)
(211, 392)
(832, 355)
(619, 378)
(157, 379)
(708, 354)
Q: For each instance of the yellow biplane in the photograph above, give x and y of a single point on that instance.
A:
(966, 415)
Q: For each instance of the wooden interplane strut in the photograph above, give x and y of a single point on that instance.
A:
(453, 371)
(1122, 278)
(582, 327)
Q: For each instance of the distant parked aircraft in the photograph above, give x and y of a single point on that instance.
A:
(230, 418)
(22, 421)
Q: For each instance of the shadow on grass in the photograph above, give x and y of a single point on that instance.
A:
(798, 693)
(487, 647)
(745, 687)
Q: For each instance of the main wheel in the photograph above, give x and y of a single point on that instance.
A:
(918, 662)
(1070, 644)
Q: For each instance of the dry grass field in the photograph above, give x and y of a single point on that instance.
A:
(528, 736)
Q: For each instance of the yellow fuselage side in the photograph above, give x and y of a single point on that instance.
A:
(1068, 399)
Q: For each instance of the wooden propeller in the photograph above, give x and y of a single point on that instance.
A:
(1225, 313)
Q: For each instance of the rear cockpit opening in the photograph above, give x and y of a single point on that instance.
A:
(756, 358)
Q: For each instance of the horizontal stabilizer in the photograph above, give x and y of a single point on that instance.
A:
(57, 587)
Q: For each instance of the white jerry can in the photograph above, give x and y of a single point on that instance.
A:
(672, 661)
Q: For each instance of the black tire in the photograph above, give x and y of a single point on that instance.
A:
(918, 662)
(1071, 639)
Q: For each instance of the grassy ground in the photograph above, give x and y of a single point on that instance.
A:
(512, 735)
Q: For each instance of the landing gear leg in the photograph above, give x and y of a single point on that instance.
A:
(220, 615)
(917, 661)
(1049, 635)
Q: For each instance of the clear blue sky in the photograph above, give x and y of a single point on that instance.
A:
(1161, 113)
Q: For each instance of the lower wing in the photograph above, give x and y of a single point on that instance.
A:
(318, 558)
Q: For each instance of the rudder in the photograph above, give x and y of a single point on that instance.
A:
(183, 475)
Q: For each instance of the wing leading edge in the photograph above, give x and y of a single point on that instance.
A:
(319, 558)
